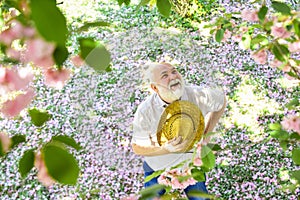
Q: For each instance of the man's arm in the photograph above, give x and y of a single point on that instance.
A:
(214, 118)
(172, 146)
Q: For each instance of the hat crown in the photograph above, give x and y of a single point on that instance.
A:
(181, 118)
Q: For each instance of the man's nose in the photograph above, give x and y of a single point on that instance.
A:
(173, 76)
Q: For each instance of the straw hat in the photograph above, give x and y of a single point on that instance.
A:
(181, 118)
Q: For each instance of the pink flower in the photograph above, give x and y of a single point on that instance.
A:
(77, 61)
(12, 108)
(43, 175)
(227, 35)
(294, 47)
(176, 184)
(249, 15)
(260, 57)
(279, 31)
(15, 80)
(16, 31)
(237, 38)
(275, 63)
(197, 161)
(56, 78)
(12, 53)
(164, 180)
(7, 36)
(39, 52)
(291, 123)
(5, 142)
(131, 197)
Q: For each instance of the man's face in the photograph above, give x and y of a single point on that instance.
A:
(168, 82)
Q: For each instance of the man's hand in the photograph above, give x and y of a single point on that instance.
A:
(175, 145)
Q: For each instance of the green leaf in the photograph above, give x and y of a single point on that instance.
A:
(281, 7)
(88, 25)
(214, 147)
(246, 40)
(142, 3)
(292, 104)
(197, 193)
(49, 21)
(198, 174)
(17, 139)
(295, 135)
(283, 144)
(94, 54)
(26, 162)
(259, 39)
(2, 153)
(151, 191)
(164, 7)
(38, 117)
(275, 126)
(262, 13)
(153, 175)
(280, 52)
(61, 165)
(208, 158)
(295, 175)
(279, 134)
(60, 54)
(67, 140)
(219, 35)
(296, 156)
(296, 25)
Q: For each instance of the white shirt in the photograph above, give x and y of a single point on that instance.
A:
(148, 114)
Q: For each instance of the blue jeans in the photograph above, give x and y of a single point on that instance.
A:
(199, 186)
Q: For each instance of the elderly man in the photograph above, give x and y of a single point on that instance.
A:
(168, 86)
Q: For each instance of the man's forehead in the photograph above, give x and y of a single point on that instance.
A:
(163, 68)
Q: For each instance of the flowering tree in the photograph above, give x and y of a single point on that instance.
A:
(272, 35)
(33, 40)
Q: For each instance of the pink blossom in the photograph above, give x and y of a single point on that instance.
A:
(5, 142)
(131, 197)
(11, 79)
(197, 161)
(16, 31)
(176, 184)
(249, 15)
(275, 63)
(286, 68)
(77, 61)
(291, 122)
(227, 35)
(260, 57)
(164, 180)
(12, 53)
(294, 47)
(12, 108)
(39, 52)
(7, 36)
(237, 38)
(43, 175)
(279, 31)
(56, 78)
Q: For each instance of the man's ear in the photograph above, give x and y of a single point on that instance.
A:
(153, 87)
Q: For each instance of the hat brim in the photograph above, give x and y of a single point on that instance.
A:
(181, 118)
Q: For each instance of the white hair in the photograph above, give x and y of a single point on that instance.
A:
(147, 71)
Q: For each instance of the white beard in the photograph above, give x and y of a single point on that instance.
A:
(169, 95)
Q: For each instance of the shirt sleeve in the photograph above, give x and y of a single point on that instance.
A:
(212, 99)
(141, 128)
